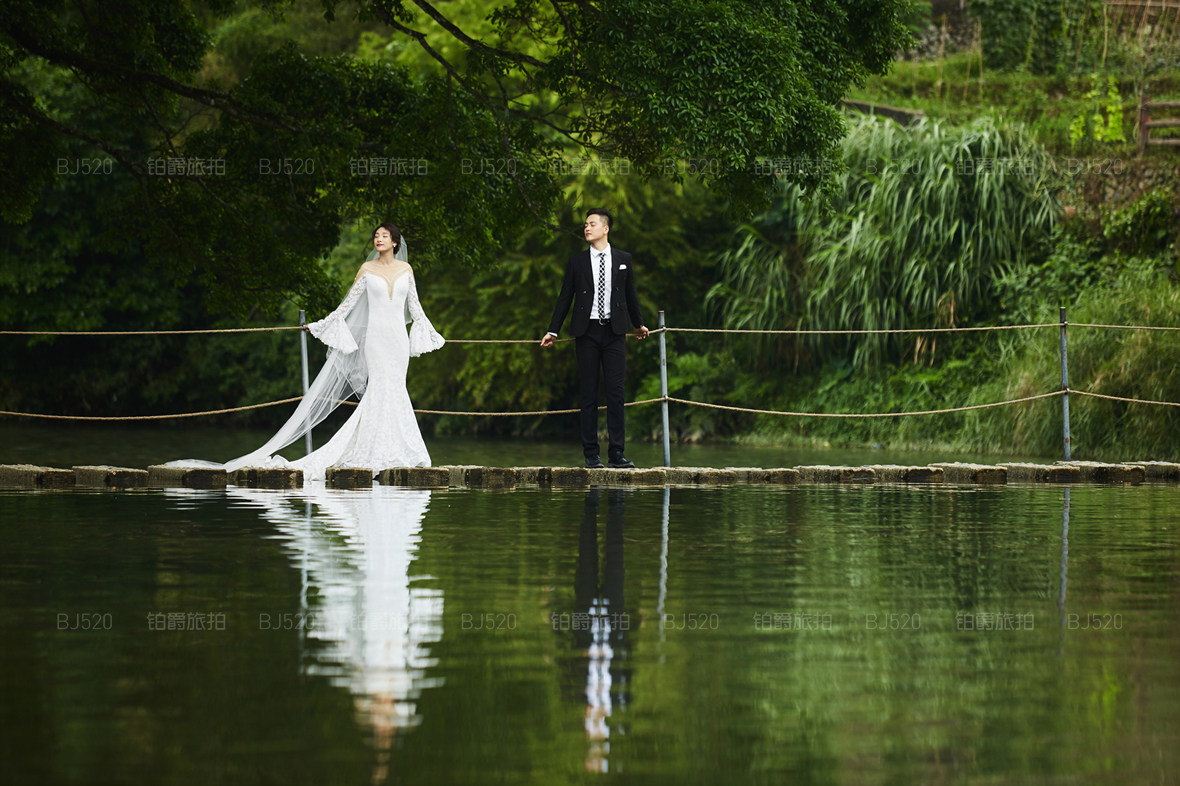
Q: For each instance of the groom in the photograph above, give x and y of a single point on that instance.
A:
(600, 283)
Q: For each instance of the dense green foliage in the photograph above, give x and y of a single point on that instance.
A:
(1100, 282)
(1123, 363)
(268, 137)
(1040, 36)
(172, 164)
(926, 219)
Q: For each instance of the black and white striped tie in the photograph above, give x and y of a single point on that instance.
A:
(602, 285)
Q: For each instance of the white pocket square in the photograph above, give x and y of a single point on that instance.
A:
(622, 267)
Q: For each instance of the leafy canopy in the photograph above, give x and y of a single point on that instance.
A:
(279, 141)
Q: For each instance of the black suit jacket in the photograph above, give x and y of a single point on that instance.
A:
(578, 288)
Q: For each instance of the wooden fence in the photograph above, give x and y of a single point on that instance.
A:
(1146, 123)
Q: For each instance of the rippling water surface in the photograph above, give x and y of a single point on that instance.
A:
(823, 634)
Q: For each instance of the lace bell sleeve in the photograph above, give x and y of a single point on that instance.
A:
(332, 329)
(423, 337)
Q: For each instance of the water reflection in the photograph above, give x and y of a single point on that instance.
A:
(1064, 574)
(600, 624)
(367, 623)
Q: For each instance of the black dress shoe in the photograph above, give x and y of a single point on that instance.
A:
(620, 462)
(593, 462)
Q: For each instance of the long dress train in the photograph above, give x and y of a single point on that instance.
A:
(383, 431)
(369, 355)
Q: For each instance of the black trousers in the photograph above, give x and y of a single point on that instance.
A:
(601, 348)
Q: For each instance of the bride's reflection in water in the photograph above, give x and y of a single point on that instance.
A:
(369, 623)
(600, 626)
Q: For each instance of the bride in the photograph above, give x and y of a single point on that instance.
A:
(369, 351)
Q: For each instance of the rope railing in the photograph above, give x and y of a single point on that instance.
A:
(300, 398)
(145, 332)
(657, 400)
(1123, 327)
(866, 414)
(1127, 400)
(653, 331)
(152, 417)
(531, 413)
(663, 399)
(527, 414)
(865, 332)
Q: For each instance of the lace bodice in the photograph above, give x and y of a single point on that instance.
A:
(390, 303)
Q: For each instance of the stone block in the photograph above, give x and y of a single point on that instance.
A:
(627, 477)
(540, 476)
(569, 477)
(29, 476)
(925, 475)
(822, 473)
(1042, 473)
(348, 478)
(267, 478)
(458, 473)
(958, 472)
(700, 475)
(1158, 470)
(427, 477)
(758, 475)
(415, 477)
(748, 474)
(490, 477)
(899, 473)
(396, 476)
(104, 477)
(1098, 472)
(781, 476)
(187, 477)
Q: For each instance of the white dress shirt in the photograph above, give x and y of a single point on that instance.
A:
(594, 265)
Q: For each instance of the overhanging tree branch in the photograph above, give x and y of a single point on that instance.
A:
(479, 96)
(40, 118)
(211, 98)
(471, 43)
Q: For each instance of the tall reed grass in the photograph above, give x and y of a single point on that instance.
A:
(1125, 363)
(925, 221)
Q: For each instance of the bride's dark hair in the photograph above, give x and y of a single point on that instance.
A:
(394, 233)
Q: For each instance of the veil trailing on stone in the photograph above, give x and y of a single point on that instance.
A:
(344, 374)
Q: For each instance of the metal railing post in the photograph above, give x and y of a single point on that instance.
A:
(1064, 386)
(664, 389)
(303, 357)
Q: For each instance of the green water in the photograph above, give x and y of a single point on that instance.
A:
(822, 634)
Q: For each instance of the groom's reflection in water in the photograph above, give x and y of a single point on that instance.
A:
(600, 626)
(368, 624)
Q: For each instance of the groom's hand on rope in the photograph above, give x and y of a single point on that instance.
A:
(641, 332)
(547, 341)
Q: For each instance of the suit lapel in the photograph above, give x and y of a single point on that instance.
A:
(584, 264)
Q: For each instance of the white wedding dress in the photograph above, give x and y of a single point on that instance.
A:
(383, 431)
(369, 354)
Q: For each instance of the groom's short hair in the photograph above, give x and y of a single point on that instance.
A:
(601, 211)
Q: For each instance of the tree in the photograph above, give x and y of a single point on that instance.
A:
(241, 180)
